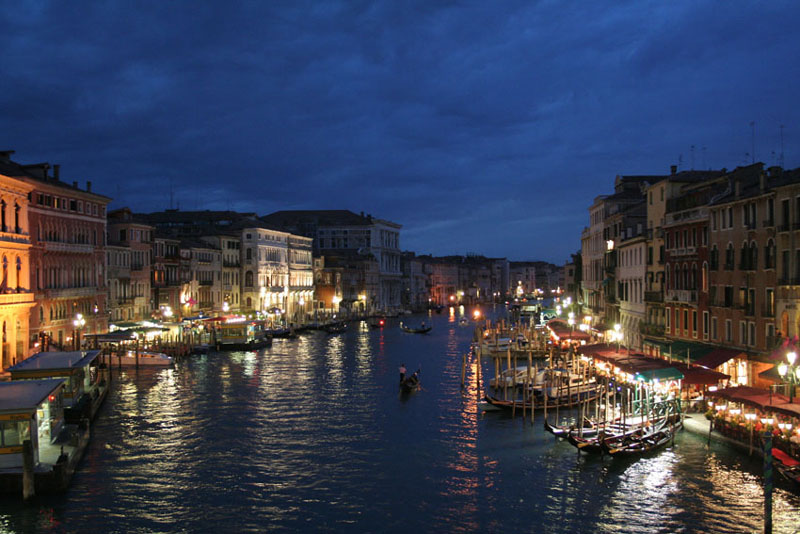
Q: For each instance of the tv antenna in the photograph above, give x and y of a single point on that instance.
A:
(753, 142)
(780, 159)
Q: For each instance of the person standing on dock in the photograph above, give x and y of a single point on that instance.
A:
(402, 372)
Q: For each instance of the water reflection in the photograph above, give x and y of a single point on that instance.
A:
(309, 434)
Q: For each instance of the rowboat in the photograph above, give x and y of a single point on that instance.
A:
(638, 443)
(421, 330)
(335, 328)
(788, 467)
(410, 383)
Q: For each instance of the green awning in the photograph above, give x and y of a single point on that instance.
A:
(663, 374)
(680, 349)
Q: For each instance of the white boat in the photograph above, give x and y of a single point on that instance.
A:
(146, 358)
(517, 377)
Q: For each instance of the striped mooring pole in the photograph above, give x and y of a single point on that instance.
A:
(767, 483)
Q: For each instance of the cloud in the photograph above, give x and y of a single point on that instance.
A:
(478, 127)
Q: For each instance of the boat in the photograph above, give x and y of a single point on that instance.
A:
(146, 358)
(377, 322)
(463, 321)
(638, 443)
(421, 330)
(410, 383)
(562, 431)
(516, 377)
(788, 467)
(242, 335)
(335, 328)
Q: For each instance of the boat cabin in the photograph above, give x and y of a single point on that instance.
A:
(29, 410)
(79, 369)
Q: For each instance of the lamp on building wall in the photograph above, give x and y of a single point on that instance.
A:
(790, 372)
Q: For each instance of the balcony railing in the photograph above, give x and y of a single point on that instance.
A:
(16, 298)
(653, 296)
(682, 295)
(684, 251)
(768, 223)
(789, 281)
(768, 311)
(206, 282)
(650, 329)
(784, 227)
(77, 248)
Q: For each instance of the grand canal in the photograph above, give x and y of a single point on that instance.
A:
(312, 435)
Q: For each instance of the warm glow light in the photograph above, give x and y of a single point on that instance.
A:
(476, 314)
(617, 327)
(782, 368)
(791, 356)
(302, 301)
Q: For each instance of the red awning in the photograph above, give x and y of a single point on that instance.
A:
(759, 398)
(717, 357)
(694, 375)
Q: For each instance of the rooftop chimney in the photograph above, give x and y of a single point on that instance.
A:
(673, 169)
(56, 171)
(762, 181)
(75, 185)
(89, 186)
(737, 187)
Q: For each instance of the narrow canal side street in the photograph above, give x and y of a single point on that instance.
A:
(314, 434)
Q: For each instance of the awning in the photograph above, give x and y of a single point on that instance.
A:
(717, 357)
(758, 398)
(662, 374)
(679, 349)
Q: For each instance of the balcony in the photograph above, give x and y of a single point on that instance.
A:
(75, 248)
(682, 295)
(650, 329)
(15, 237)
(784, 227)
(789, 281)
(235, 264)
(206, 282)
(654, 296)
(768, 223)
(16, 298)
(768, 311)
(685, 251)
(71, 292)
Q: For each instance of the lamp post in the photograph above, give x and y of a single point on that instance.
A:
(790, 372)
(79, 322)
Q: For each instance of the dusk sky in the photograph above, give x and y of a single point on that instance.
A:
(483, 127)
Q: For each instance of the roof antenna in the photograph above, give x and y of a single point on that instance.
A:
(753, 142)
(780, 160)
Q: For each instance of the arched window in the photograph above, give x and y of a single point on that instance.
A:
(729, 260)
(3, 216)
(19, 271)
(677, 277)
(769, 255)
(744, 256)
(248, 279)
(694, 277)
(753, 256)
(704, 285)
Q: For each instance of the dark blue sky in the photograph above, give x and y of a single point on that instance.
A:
(484, 127)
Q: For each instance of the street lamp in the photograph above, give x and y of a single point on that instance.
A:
(618, 334)
(790, 373)
(79, 322)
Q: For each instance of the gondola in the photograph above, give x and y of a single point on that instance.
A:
(410, 383)
(335, 328)
(638, 443)
(421, 330)
(589, 428)
(788, 467)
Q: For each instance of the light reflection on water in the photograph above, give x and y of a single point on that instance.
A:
(312, 434)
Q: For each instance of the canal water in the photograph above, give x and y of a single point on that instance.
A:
(312, 434)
